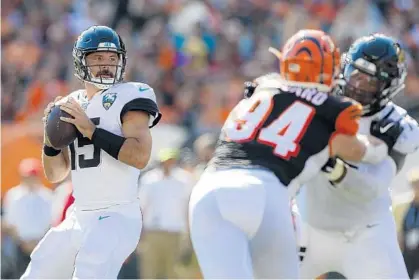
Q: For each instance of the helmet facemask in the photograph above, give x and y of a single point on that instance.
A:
(84, 71)
(367, 84)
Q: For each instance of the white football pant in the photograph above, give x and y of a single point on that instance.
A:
(370, 252)
(241, 226)
(87, 244)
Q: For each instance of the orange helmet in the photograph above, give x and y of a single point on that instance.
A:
(310, 56)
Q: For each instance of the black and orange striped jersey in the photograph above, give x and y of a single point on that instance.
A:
(286, 131)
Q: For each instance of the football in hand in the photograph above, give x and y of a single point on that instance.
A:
(60, 133)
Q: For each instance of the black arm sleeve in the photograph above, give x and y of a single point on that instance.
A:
(145, 105)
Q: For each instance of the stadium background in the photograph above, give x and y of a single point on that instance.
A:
(195, 54)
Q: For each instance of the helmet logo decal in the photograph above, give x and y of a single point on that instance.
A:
(106, 45)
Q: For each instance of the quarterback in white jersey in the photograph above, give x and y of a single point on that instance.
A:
(114, 142)
(346, 210)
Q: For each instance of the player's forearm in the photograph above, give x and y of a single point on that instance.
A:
(358, 148)
(347, 147)
(135, 153)
(57, 167)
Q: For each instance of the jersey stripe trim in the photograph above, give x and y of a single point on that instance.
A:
(145, 105)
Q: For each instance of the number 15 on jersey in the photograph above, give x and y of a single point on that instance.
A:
(283, 134)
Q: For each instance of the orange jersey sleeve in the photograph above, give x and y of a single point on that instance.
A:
(347, 122)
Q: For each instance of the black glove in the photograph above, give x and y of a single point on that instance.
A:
(249, 89)
(387, 130)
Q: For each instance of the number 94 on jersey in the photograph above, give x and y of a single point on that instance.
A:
(246, 123)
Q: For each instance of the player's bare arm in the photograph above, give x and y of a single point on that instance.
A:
(133, 149)
(336, 169)
(56, 168)
(137, 146)
(56, 163)
(358, 148)
(349, 145)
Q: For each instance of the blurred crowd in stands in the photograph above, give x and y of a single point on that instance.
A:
(196, 54)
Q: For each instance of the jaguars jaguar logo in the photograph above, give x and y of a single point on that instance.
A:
(108, 100)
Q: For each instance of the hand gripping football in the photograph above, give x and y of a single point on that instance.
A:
(60, 133)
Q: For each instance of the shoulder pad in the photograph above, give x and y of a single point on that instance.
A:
(135, 90)
(267, 77)
(392, 111)
(408, 141)
(78, 95)
(271, 81)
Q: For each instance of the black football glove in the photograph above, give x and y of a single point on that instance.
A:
(387, 130)
(249, 89)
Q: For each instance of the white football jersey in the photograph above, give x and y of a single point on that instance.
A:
(98, 179)
(408, 141)
(363, 196)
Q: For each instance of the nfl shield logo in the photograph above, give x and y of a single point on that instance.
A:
(108, 100)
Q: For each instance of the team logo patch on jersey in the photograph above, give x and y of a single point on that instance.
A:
(108, 100)
(84, 105)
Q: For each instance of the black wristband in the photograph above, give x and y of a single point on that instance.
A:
(50, 151)
(107, 141)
